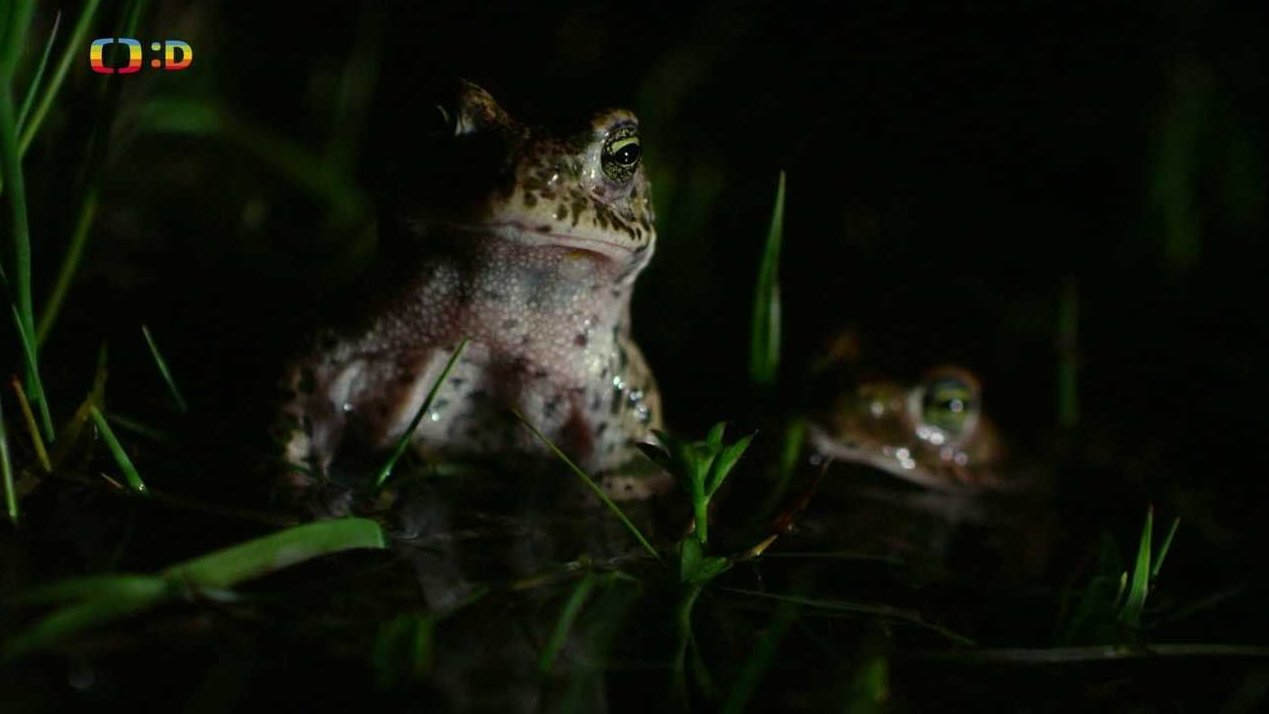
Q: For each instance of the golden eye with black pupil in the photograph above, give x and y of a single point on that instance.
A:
(621, 154)
(948, 404)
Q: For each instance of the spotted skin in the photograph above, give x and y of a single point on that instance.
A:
(530, 251)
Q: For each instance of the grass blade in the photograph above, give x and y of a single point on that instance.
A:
(98, 600)
(39, 72)
(74, 46)
(590, 483)
(764, 349)
(163, 370)
(1163, 549)
(404, 441)
(94, 611)
(888, 612)
(6, 473)
(572, 608)
(17, 18)
(1140, 583)
(70, 264)
(19, 228)
(40, 452)
(72, 429)
(245, 561)
(116, 449)
(402, 650)
(760, 658)
(33, 375)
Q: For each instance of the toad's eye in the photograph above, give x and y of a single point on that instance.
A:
(440, 121)
(949, 404)
(621, 154)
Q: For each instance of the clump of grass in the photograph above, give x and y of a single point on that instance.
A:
(1110, 608)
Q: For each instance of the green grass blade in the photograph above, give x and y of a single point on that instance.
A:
(404, 441)
(790, 452)
(33, 375)
(295, 162)
(402, 649)
(760, 658)
(6, 473)
(1139, 586)
(138, 428)
(73, 49)
(70, 620)
(39, 72)
(1164, 548)
(19, 228)
(70, 265)
(226, 568)
(572, 608)
(13, 35)
(590, 484)
(116, 449)
(97, 600)
(29, 417)
(163, 370)
(764, 349)
(888, 612)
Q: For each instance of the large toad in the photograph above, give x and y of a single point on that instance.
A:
(528, 245)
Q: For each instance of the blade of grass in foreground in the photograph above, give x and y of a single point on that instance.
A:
(74, 46)
(228, 567)
(29, 417)
(764, 349)
(590, 483)
(19, 228)
(39, 72)
(1140, 582)
(116, 449)
(33, 375)
(6, 473)
(404, 441)
(97, 600)
(572, 608)
(163, 370)
(70, 264)
(760, 658)
(888, 612)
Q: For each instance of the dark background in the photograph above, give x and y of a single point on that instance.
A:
(951, 171)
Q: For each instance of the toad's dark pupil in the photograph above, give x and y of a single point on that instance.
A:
(627, 155)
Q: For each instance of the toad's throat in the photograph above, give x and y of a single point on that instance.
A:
(550, 236)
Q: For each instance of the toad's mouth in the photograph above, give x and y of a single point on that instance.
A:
(896, 463)
(550, 236)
